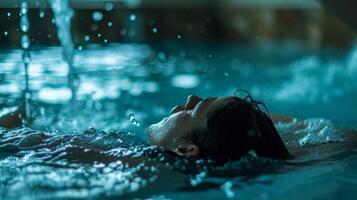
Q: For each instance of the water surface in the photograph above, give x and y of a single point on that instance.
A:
(125, 87)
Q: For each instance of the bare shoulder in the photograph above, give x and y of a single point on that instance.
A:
(11, 117)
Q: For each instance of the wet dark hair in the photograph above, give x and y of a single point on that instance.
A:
(237, 127)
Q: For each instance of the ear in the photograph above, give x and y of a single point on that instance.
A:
(188, 150)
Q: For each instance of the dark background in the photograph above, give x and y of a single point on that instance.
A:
(330, 25)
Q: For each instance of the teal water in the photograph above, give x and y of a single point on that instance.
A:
(126, 87)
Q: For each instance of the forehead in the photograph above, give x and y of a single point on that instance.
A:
(211, 103)
(217, 101)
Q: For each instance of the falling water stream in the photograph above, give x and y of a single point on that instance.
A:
(25, 44)
(62, 16)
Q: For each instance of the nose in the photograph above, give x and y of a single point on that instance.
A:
(192, 101)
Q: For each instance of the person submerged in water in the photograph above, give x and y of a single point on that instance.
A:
(216, 128)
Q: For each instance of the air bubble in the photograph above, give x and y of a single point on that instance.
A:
(110, 24)
(86, 38)
(6, 33)
(155, 30)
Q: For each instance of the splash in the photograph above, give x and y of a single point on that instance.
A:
(313, 131)
(319, 131)
(35, 162)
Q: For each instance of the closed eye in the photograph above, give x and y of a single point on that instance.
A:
(201, 104)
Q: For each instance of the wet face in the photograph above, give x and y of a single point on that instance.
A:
(173, 131)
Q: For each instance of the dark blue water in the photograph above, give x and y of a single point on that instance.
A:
(126, 87)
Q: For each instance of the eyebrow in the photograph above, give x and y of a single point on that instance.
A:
(204, 102)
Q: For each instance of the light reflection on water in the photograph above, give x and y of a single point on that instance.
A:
(122, 84)
(140, 76)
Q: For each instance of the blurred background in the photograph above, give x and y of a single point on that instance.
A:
(141, 57)
(324, 23)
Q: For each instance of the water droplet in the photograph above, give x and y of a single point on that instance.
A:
(131, 117)
(161, 56)
(198, 179)
(132, 17)
(24, 8)
(227, 188)
(42, 13)
(94, 27)
(27, 95)
(42, 111)
(98, 105)
(130, 133)
(24, 23)
(154, 30)
(133, 120)
(108, 6)
(110, 24)
(97, 16)
(252, 153)
(86, 38)
(131, 33)
(123, 31)
(25, 42)
(26, 58)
